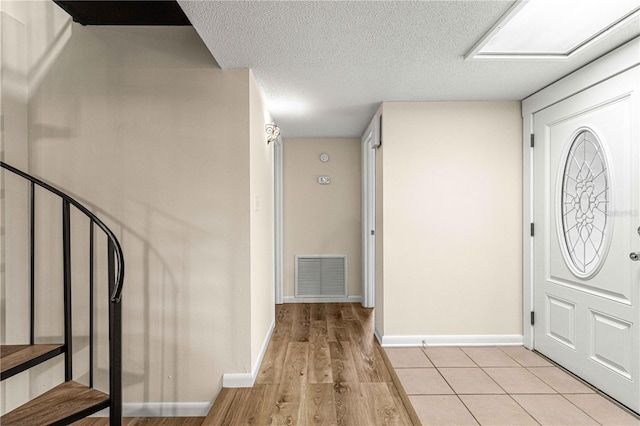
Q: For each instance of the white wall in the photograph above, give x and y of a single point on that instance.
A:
(142, 125)
(322, 219)
(452, 261)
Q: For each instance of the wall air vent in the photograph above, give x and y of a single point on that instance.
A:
(321, 275)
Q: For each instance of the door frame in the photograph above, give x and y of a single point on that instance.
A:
(619, 60)
(369, 142)
(278, 253)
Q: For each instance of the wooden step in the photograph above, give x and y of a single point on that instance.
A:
(15, 359)
(62, 405)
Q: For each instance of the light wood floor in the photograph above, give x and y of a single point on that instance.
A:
(322, 367)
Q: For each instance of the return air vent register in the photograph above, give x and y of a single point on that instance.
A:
(321, 275)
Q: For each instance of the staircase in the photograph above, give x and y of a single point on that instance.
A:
(70, 400)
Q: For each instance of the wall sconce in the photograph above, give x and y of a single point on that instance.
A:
(273, 132)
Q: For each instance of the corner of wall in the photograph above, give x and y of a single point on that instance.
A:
(262, 236)
(246, 380)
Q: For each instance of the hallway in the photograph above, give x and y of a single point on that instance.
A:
(322, 366)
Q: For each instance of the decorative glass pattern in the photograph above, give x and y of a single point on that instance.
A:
(585, 204)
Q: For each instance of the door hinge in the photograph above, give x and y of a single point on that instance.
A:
(533, 318)
(373, 232)
(533, 229)
(532, 140)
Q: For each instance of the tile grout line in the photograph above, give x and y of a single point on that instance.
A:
(451, 387)
(587, 414)
(497, 384)
(500, 386)
(548, 384)
(509, 394)
(589, 385)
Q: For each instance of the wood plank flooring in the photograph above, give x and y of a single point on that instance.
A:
(322, 367)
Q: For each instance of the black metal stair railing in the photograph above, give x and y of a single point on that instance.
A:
(115, 262)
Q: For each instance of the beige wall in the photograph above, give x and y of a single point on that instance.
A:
(322, 219)
(452, 218)
(142, 125)
(16, 61)
(262, 237)
(14, 197)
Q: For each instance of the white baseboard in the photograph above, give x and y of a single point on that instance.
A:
(452, 340)
(246, 380)
(237, 380)
(192, 409)
(161, 409)
(348, 299)
(378, 335)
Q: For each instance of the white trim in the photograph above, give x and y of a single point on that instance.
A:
(278, 221)
(527, 240)
(161, 409)
(376, 141)
(246, 380)
(614, 63)
(453, 340)
(237, 380)
(617, 61)
(348, 299)
(378, 335)
(370, 141)
(506, 17)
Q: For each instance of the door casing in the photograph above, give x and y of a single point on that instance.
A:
(278, 270)
(370, 140)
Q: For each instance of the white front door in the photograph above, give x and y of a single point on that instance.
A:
(587, 219)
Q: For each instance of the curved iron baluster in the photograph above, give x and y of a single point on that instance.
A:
(116, 281)
(117, 290)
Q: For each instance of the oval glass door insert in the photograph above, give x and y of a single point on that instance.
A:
(585, 204)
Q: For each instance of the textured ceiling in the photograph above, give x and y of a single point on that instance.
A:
(325, 66)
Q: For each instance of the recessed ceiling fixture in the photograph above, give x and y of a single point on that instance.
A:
(554, 29)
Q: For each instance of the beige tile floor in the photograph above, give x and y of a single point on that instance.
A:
(498, 386)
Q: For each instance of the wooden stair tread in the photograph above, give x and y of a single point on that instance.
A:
(12, 357)
(66, 402)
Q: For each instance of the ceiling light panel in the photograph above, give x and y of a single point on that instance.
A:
(549, 28)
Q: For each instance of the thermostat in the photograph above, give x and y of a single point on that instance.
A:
(324, 180)
(324, 157)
